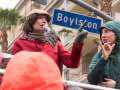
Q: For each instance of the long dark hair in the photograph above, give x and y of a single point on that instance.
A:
(28, 25)
(113, 52)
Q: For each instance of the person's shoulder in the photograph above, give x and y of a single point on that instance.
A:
(98, 54)
(22, 38)
(59, 43)
(19, 39)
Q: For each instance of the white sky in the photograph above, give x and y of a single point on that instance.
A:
(8, 3)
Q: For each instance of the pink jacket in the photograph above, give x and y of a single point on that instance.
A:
(70, 60)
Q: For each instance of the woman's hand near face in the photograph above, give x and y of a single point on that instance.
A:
(109, 83)
(106, 49)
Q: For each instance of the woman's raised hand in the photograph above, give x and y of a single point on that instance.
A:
(106, 49)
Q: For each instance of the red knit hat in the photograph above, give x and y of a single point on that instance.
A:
(32, 71)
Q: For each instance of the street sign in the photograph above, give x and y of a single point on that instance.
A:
(73, 20)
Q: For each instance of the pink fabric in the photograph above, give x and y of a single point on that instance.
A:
(1, 58)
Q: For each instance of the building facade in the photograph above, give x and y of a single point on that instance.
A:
(91, 46)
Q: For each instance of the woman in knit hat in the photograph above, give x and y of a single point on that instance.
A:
(37, 40)
(105, 66)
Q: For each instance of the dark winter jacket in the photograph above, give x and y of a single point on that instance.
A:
(100, 68)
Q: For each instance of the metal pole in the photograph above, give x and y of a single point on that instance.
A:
(88, 86)
(91, 8)
(2, 71)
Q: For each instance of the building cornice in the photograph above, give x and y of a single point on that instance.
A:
(20, 4)
(53, 4)
(115, 2)
(50, 4)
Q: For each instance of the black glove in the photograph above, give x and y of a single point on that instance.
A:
(81, 34)
(51, 38)
(80, 37)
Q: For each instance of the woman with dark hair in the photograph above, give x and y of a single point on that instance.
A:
(38, 40)
(105, 66)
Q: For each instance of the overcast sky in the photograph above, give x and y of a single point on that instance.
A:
(8, 3)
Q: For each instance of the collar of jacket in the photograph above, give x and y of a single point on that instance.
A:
(34, 40)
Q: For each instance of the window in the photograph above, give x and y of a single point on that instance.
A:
(67, 75)
(66, 41)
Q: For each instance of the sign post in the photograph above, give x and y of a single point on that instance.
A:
(73, 20)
